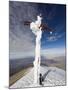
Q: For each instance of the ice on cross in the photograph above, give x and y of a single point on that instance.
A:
(35, 26)
(36, 29)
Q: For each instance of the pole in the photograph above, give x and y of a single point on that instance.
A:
(37, 57)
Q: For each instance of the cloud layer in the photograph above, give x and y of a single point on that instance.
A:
(21, 38)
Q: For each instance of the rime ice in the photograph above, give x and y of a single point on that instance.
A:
(36, 29)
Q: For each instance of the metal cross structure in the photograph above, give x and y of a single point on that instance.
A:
(37, 28)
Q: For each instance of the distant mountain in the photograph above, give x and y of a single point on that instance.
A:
(18, 64)
(60, 58)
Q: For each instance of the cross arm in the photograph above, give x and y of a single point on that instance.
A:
(27, 22)
(45, 27)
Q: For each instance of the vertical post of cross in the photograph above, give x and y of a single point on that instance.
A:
(37, 60)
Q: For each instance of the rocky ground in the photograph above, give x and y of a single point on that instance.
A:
(53, 76)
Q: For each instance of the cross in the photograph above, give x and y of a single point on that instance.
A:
(45, 27)
(37, 28)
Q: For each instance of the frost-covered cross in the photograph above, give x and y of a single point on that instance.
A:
(37, 27)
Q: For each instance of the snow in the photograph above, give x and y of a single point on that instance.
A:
(53, 77)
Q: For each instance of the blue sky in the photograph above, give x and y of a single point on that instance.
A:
(55, 17)
(22, 40)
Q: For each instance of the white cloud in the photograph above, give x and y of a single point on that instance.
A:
(21, 42)
(54, 37)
